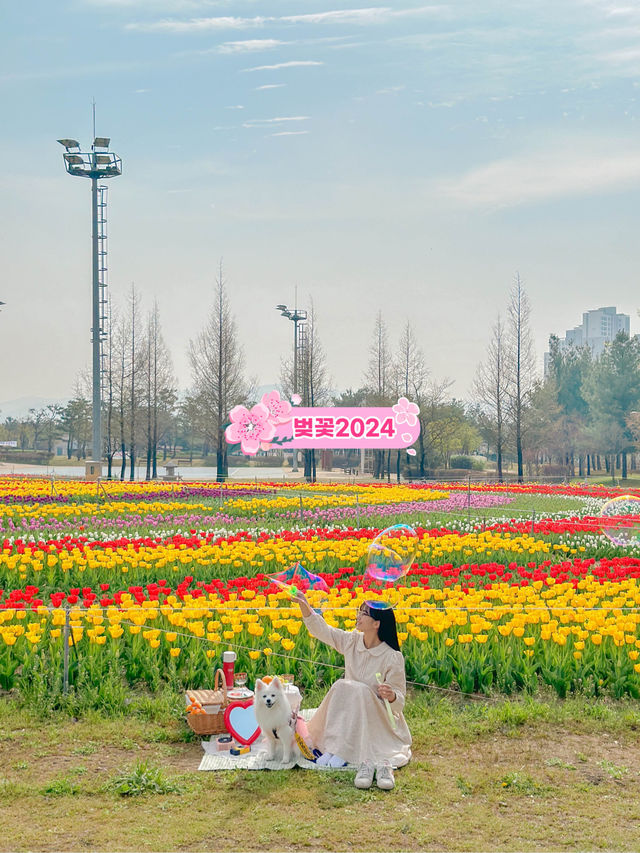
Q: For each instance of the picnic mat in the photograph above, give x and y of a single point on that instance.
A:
(257, 758)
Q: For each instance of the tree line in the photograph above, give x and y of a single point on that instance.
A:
(582, 416)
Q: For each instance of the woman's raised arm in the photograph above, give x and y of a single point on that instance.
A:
(318, 628)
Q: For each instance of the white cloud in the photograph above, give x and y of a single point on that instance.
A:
(566, 171)
(262, 122)
(250, 45)
(390, 90)
(197, 25)
(298, 63)
(291, 133)
(269, 86)
(369, 15)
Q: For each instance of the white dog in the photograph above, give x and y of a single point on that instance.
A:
(275, 718)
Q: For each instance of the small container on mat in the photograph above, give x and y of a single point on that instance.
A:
(204, 723)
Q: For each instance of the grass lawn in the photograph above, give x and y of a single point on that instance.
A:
(518, 774)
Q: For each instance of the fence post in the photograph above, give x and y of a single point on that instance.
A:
(65, 684)
(301, 508)
(533, 520)
(357, 512)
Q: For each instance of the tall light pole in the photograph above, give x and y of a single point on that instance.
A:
(97, 164)
(298, 317)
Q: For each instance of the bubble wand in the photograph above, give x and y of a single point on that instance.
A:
(387, 705)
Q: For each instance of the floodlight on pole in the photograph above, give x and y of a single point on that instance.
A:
(298, 318)
(69, 143)
(95, 166)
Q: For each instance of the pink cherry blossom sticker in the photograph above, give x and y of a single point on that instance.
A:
(411, 451)
(279, 410)
(405, 412)
(296, 399)
(406, 436)
(250, 427)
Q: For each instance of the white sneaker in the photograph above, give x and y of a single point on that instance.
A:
(364, 776)
(384, 776)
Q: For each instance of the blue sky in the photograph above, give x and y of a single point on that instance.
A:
(405, 157)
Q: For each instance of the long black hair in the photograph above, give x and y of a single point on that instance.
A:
(387, 629)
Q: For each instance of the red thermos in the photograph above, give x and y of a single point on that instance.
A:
(228, 667)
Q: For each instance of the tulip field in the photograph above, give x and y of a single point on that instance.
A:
(514, 588)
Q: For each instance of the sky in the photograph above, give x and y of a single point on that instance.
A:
(408, 158)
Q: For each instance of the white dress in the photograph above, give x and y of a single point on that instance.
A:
(352, 720)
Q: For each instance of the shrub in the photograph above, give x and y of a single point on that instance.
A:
(467, 463)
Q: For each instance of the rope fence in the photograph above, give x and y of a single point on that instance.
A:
(69, 640)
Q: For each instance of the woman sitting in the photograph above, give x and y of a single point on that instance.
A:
(352, 724)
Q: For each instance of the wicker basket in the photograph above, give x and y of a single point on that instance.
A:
(210, 724)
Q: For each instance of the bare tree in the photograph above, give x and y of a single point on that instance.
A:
(313, 380)
(379, 380)
(379, 374)
(491, 387)
(135, 365)
(120, 382)
(411, 376)
(521, 363)
(109, 382)
(160, 389)
(217, 364)
(315, 383)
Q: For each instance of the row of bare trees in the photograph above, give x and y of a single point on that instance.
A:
(506, 378)
(583, 412)
(582, 416)
(139, 388)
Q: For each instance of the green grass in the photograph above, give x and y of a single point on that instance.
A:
(530, 774)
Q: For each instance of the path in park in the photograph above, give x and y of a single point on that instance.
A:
(185, 472)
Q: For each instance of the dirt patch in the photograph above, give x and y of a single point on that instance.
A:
(536, 790)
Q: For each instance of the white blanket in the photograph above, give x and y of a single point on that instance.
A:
(257, 758)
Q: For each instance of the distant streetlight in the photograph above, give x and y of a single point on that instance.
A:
(97, 164)
(298, 318)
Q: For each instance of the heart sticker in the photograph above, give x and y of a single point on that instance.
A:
(240, 720)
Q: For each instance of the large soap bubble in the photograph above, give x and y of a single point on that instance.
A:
(297, 579)
(620, 518)
(390, 556)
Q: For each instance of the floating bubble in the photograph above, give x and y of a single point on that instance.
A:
(621, 520)
(390, 556)
(378, 604)
(297, 579)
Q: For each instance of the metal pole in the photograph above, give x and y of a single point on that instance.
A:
(357, 511)
(301, 518)
(294, 467)
(65, 685)
(97, 402)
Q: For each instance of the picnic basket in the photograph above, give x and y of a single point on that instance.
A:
(206, 723)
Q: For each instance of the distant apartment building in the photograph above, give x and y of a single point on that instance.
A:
(598, 327)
